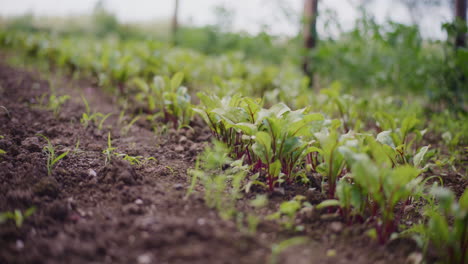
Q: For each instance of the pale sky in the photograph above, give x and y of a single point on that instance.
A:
(250, 15)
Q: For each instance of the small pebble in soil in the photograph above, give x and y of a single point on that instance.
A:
(71, 203)
(178, 186)
(278, 191)
(336, 227)
(132, 209)
(190, 133)
(145, 258)
(138, 202)
(307, 212)
(182, 140)
(179, 148)
(329, 216)
(19, 244)
(201, 221)
(194, 148)
(31, 144)
(92, 173)
(414, 258)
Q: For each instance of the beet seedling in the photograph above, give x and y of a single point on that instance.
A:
(229, 118)
(286, 214)
(384, 186)
(17, 216)
(398, 137)
(272, 141)
(332, 162)
(281, 143)
(351, 200)
(52, 158)
(169, 97)
(447, 228)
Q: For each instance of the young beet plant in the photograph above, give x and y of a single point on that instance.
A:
(272, 141)
(375, 187)
(287, 133)
(399, 139)
(229, 119)
(52, 157)
(446, 229)
(330, 161)
(168, 96)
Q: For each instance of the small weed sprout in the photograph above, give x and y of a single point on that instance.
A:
(52, 157)
(278, 248)
(137, 160)
(103, 119)
(109, 151)
(2, 152)
(17, 216)
(56, 102)
(88, 118)
(195, 174)
(133, 160)
(170, 169)
(6, 111)
(128, 126)
(121, 118)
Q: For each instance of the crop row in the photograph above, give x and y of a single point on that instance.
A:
(366, 152)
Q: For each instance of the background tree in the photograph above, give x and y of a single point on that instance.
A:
(175, 22)
(460, 17)
(310, 35)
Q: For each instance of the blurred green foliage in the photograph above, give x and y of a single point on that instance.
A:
(394, 56)
(372, 56)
